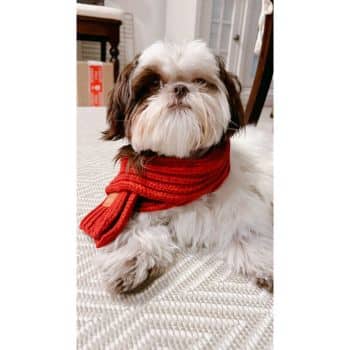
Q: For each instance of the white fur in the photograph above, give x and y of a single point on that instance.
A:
(174, 132)
(235, 221)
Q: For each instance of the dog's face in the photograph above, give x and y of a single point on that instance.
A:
(174, 100)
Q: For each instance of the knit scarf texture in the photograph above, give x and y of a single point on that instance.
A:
(164, 182)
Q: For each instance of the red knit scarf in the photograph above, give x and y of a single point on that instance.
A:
(165, 182)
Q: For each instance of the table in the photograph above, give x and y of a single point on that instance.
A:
(103, 30)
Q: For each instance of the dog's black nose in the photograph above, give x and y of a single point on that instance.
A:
(180, 90)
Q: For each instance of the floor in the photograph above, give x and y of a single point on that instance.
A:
(197, 304)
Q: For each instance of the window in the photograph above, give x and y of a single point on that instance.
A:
(220, 26)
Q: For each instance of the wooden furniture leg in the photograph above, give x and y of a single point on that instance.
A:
(263, 75)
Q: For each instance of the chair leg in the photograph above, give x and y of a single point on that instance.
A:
(263, 76)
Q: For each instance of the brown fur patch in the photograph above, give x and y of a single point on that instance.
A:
(136, 160)
(233, 96)
(120, 104)
(266, 283)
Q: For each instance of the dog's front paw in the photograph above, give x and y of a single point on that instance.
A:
(126, 275)
(126, 279)
(137, 256)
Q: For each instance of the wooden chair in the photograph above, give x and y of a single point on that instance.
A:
(263, 75)
(100, 23)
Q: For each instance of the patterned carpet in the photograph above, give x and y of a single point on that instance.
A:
(196, 304)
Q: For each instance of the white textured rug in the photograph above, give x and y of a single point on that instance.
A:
(197, 304)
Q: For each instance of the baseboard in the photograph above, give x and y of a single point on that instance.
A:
(246, 92)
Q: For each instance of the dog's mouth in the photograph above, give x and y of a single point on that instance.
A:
(178, 105)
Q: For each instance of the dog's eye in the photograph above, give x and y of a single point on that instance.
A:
(155, 82)
(200, 81)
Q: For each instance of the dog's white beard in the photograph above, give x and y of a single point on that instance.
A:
(179, 132)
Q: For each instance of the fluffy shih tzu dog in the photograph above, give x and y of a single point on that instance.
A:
(179, 101)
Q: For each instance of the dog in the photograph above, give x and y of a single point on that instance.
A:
(179, 101)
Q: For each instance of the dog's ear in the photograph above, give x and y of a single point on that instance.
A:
(120, 101)
(233, 87)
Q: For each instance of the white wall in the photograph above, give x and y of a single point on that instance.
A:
(181, 20)
(173, 20)
(149, 19)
